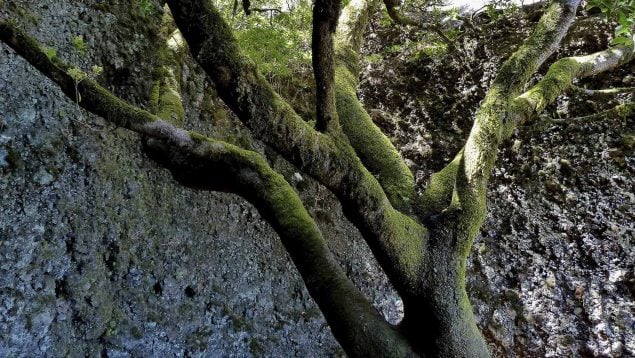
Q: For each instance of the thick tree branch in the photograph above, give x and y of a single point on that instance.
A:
(325, 16)
(371, 145)
(492, 123)
(196, 161)
(396, 239)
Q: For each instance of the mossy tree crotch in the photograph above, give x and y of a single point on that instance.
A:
(421, 241)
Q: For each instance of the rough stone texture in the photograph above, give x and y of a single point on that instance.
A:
(553, 271)
(102, 253)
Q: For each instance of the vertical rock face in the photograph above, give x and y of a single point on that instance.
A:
(553, 271)
(101, 252)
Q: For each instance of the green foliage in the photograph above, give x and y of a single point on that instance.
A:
(50, 52)
(501, 9)
(97, 70)
(278, 42)
(146, 7)
(77, 74)
(433, 50)
(621, 11)
(79, 44)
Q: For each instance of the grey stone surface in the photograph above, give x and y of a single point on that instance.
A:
(101, 252)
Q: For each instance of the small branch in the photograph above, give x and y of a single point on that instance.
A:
(279, 11)
(603, 92)
(560, 77)
(401, 19)
(625, 110)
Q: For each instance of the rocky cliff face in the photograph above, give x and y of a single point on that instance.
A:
(553, 272)
(102, 253)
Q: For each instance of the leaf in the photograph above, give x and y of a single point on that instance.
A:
(622, 41)
(77, 74)
(97, 70)
(50, 52)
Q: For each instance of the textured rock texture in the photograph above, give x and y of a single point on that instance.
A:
(102, 253)
(553, 272)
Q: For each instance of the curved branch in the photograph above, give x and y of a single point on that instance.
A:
(396, 239)
(371, 145)
(561, 75)
(401, 19)
(492, 123)
(196, 160)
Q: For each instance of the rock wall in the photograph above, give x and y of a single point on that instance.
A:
(102, 252)
(553, 271)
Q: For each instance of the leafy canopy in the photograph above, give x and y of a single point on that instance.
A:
(621, 11)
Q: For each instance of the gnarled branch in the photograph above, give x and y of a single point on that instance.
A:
(492, 124)
(561, 75)
(196, 160)
(396, 239)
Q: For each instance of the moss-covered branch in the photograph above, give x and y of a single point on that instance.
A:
(371, 145)
(196, 161)
(396, 239)
(165, 100)
(492, 123)
(560, 77)
(325, 16)
(438, 194)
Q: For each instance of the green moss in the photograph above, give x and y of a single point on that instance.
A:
(408, 241)
(438, 193)
(373, 148)
(626, 110)
(79, 44)
(559, 77)
(50, 52)
(136, 332)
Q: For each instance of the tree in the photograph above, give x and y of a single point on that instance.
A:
(420, 236)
